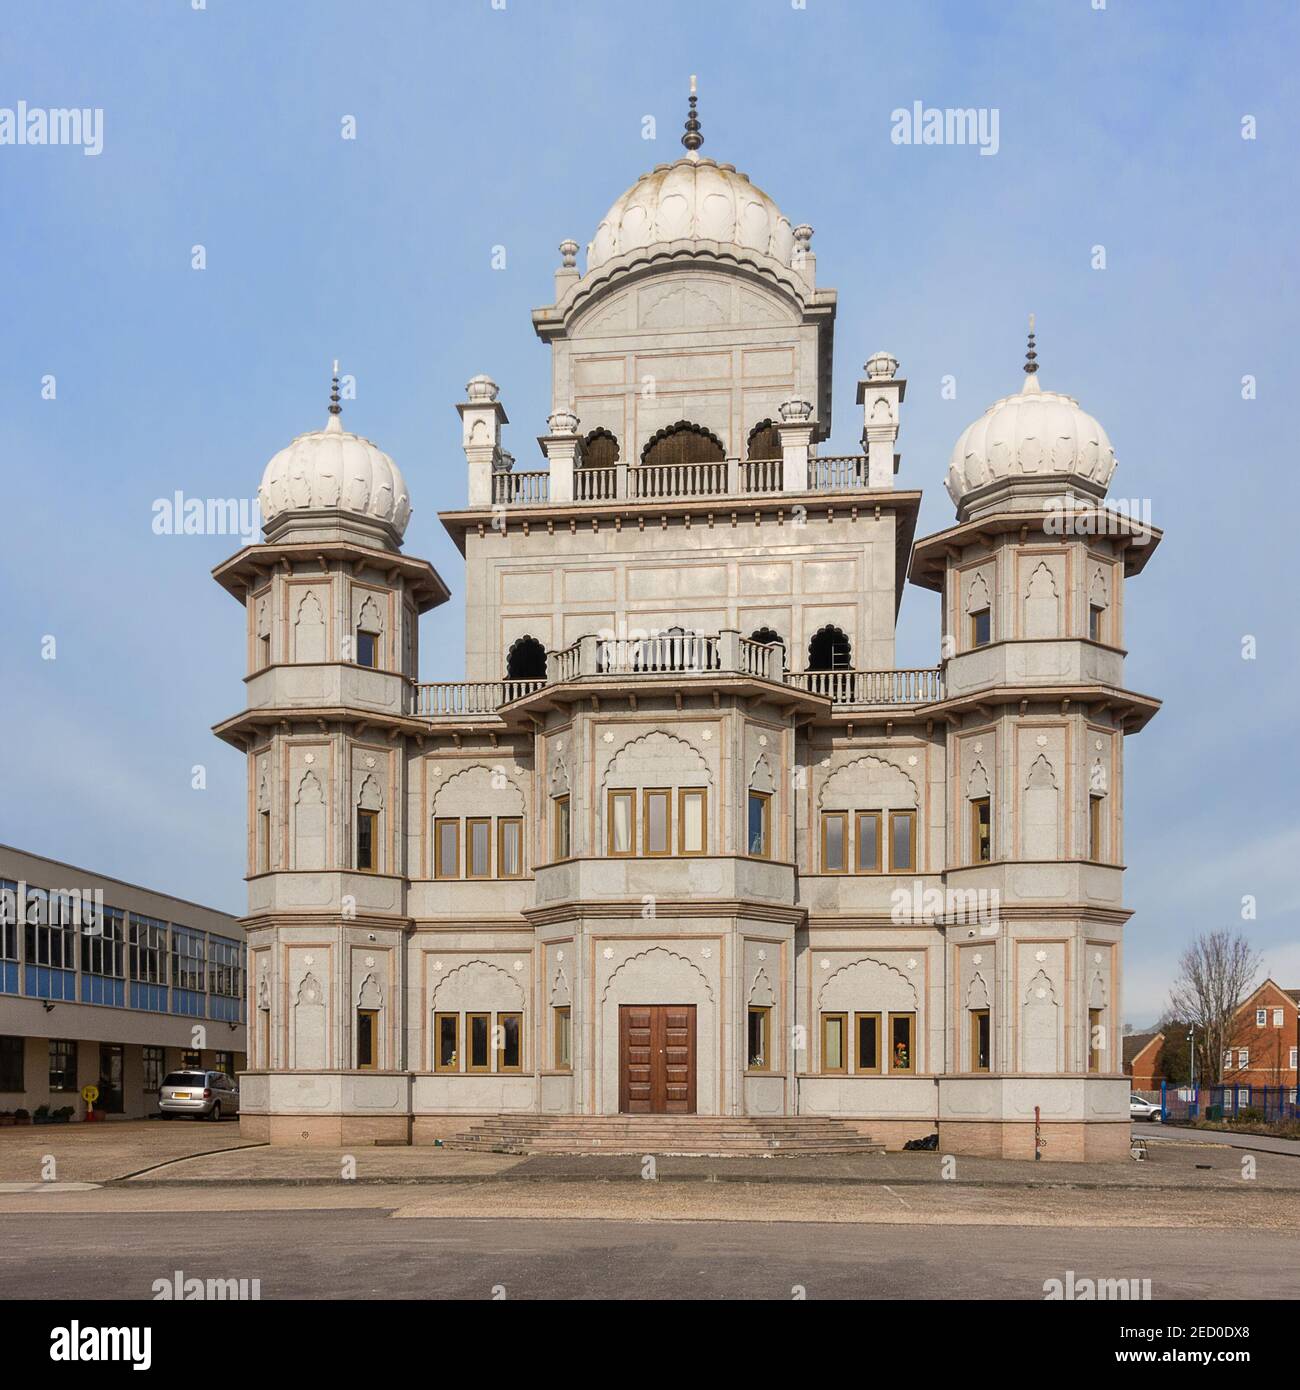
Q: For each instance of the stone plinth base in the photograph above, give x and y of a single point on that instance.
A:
(1068, 1141)
(326, 1131)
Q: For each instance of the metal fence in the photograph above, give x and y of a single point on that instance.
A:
(1271, 1104)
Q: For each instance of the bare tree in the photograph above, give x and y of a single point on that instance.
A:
(1214, 975)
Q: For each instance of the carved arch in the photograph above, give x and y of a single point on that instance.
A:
(646, 955)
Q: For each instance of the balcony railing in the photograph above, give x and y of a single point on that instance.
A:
(653, 482)
(683, 655)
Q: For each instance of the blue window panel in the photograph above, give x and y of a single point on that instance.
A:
(152, 997)
(43, 982)
(100, 989)
(9, 977)
(187, 1001)
(224, 1008)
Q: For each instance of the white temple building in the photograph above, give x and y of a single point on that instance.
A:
(684, 842)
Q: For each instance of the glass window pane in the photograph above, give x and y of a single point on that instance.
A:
(447, 1040)
(868, 1042)
(478, 1040)
(900, 1026)
(562, 827)
(563, 1026)
(511, 834)
(480, 848)
(757, 823)
(622, 812)
(448, 852)
(833, 841)
(900, 850)
(868, 843)
(692, 822)
(657, 823)
(833, 1034)
(511, 1031)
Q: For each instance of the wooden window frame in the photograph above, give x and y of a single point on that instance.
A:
(439, 860)
(667, 795)
(365, 814)
(845, 1043)
(373, 1016)
(1095, 1053)
(264, 650)
(470, 823)
(1097, 622)
(375, 638)
(975, 1016)
(858, 1067)
(910, 818)
(1095, 828)
(264, 842)
(469, 1043)
(843, 818)
(500, 1049)
(682, 794)
(563, 1015)
(879, 865)
(975, 615)
(975, 856)
(561, 828)
(438, 1064)
(765, 800)
(910, 1069)
(502, 823)
(610, 798)
(765, 1011)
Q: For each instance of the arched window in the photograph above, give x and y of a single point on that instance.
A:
(683, 443)
(829, 650)
(526, 661)
(764, 441)
(767, 636)
(599, 450)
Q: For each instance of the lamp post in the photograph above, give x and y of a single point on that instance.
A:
(1191, 1052)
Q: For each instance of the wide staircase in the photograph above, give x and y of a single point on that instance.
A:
(712, 1136)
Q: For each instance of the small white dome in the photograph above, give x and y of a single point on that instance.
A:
(335, 470)
(1033, 434)
(698, 199)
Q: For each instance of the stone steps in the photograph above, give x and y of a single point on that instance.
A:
(713, 1136)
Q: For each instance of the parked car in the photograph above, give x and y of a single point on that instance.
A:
(207, 1095)
(1139, 1109)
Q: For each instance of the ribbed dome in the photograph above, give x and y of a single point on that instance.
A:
(1033, 434)
(335, 470)
(693, 198)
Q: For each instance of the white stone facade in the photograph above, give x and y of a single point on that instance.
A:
(684, 840)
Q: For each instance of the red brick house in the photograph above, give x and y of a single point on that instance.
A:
(1265, 1042)
(1142, 1060)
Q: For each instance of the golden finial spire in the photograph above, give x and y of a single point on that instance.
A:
(692, 139)
(1031, 356)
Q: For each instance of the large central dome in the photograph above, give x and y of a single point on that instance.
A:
(693, 199)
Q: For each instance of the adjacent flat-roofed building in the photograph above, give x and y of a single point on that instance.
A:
(108, 984)
(685, 841)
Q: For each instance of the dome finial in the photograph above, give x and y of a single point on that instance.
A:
(692, 139)
(335, 407)
(1031, 355)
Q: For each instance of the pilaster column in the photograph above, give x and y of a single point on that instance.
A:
(795, 433)
(880, 396)
(482, 417)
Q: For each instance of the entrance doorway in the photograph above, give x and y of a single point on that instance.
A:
(110, 1078)
(656, 1059)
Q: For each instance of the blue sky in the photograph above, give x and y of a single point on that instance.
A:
(518, 127)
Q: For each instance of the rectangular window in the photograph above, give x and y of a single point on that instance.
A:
(1261, 1018)
(63, 1065)
(367, 648)
(478, 1040)
(835, 830)
(264, 649)
(834, 1053)
(692, 812)
(510, 1042)
(981, 830)
(155, 1066)
(981, 627)
(1096, 1040)
(1096, 622)
(147, 951)
(867, 841)
(446, 848)
(902, 841)
(1277, 1018)
(867, 1027)
(622, 822)
(760, 1041)
(1094, 828)
(224, 1062)
(11, 1064)
(902, 1042)
(102, 948)
(446, 1042)
(367, 1039)
(979, 1040)
(189, 958)
(560, 829)
(1292, 1062)
(478, 848)
(367, 841)
(564, 1039)
(759, 838)
(657, 822)
(1243, 1057)
(263, 842)
(191, 1059)
(510, 847)
(225, 967)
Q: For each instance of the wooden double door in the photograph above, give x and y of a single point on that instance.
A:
(656, 1059)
